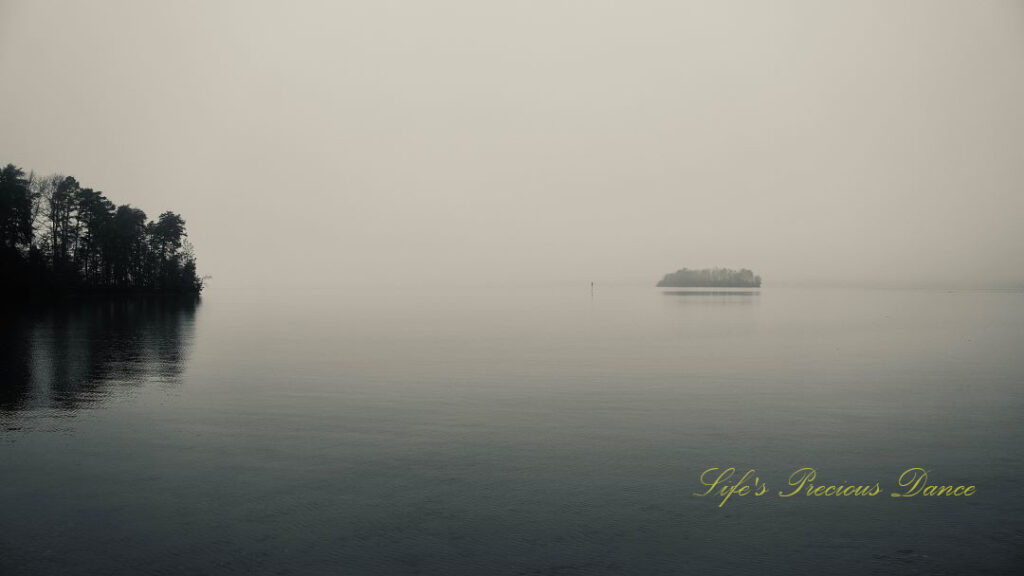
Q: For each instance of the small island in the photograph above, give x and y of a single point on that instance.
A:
(59, 238)
(710, 277)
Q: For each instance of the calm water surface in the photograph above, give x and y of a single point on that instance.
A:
(519, 432)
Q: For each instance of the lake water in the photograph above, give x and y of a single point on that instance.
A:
(529, 431)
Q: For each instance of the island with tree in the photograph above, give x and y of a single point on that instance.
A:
(58, 237)
(710, 277)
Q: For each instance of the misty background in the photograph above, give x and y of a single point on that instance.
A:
(476, 143)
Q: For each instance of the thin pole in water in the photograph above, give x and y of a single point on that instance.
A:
(591, 290)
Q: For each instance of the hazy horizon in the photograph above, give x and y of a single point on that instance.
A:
(364, 143)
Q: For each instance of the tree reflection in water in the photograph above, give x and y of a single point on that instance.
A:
(77, 354)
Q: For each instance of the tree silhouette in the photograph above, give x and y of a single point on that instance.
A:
(15, 208)
(711, 277)
(60, 237)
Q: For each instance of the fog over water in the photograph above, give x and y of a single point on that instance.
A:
(460, 142)
(510, 431)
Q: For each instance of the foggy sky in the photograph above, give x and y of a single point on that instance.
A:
(475, 142)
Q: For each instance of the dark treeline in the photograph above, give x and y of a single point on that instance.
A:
(58, 237)
(717, 277)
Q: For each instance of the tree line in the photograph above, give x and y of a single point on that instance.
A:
(57, 236)
(707, 277)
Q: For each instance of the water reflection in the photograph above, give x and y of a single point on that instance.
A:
(711, 292)
(715, 297)
(75, 355)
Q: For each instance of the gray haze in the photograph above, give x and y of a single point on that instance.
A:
(476, 142)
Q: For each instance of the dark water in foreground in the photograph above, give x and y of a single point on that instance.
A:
(531, 432)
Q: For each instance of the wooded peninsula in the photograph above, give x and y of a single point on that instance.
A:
(58, 237)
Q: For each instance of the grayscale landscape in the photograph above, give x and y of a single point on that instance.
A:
(487, 288)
